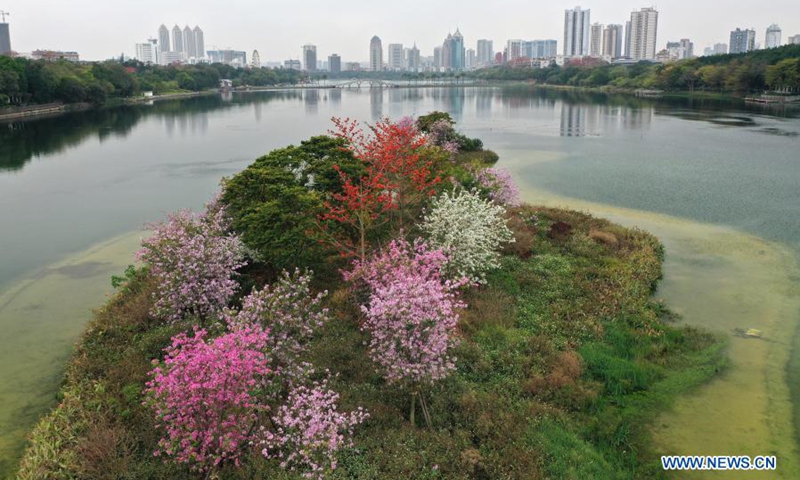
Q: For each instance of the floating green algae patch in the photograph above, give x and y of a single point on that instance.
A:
(563, 364)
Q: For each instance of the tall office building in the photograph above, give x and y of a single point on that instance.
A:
(199, 42)
(742, 41)
(688, 48)
(773, 36)
(5, 39)
(334, 63)
(189, 46)
(628, 39)
(612, 41)
(255, 60)
(310, 57)
(395, 57)
(437, 58)
(596, 40)
(163, 38)
(412, 59)
(375, 54)
(576, 32)
(794, 40)
(471, 61)
(485, 52)
(643, 33)
(148, 52)
(458, 59)
(720, 49)
(177, 39)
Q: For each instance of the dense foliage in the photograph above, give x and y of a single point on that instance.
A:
(774, 68)
(552, 368)
(24, 81)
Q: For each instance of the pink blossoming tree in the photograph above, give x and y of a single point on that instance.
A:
(500, 186)
(194, 259)
(309, 429)
(204, 396)
(411, 316)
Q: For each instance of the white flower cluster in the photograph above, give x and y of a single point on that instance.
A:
(471, 230)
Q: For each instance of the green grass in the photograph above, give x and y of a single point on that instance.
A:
(563, 364)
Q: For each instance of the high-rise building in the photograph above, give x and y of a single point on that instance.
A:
(395, 57)
(163, 38)
(688, 48)
(643, 34)
(612, 41)
(720, 49)
(545, 48)
(576, 32)
(199, 42)
(773, 36)
(334, 63)
(485, 52)
(292, 64)
(189, 45)
(596, 40)
(742, 41)
(471, 59)
(177, 39)
(514, 49)
(5, 39)
(148, 52)
(310, 57)
(375, 54)
(628, 39)
(437, 58)
(794, 40)
(255, 60)
(233, 58)
(413, 60)
(458, 59)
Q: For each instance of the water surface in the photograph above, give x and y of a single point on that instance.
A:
(717, 181)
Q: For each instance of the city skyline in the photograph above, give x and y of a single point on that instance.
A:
(38, 24)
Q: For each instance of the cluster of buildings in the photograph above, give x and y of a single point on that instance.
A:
(184, 45)
(744, 40)
(635, 41)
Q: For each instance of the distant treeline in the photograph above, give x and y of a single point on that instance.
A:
(24, 81)
(772, 69)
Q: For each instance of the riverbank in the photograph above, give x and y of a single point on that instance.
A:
(588, 291)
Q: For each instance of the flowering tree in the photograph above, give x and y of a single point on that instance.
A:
(442, 134)
(411, 315)
(399, 173)
(500, 186)
(471, 231)
(290, 312)
(204, 396)
(194, 259)
(309, 430)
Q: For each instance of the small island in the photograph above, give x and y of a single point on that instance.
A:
(376, 303)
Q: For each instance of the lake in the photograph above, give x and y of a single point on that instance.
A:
(716, 180)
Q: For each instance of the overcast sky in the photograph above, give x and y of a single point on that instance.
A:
(102, 29)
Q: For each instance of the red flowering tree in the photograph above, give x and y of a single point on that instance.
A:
(400, 172)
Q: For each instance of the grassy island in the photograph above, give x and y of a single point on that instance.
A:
(446, 331)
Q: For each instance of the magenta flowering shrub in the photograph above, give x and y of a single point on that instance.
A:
(194, 259)
(310, 429)
(441, 134)
(412, 311)
(291, 313)
(500, 185)
(204, 395)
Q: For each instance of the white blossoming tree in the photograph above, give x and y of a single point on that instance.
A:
(470, 229)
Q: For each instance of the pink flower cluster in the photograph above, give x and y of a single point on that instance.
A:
(204, 395)
(194, 259)
(441, 133)
(501, 187)
(412, 311)
(290, 312)
(309, 430)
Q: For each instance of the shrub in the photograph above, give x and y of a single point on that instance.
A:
(309, 430)
(203, 395)
(194, 259)
(499, 185)
(471, 230)
(290, 312)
